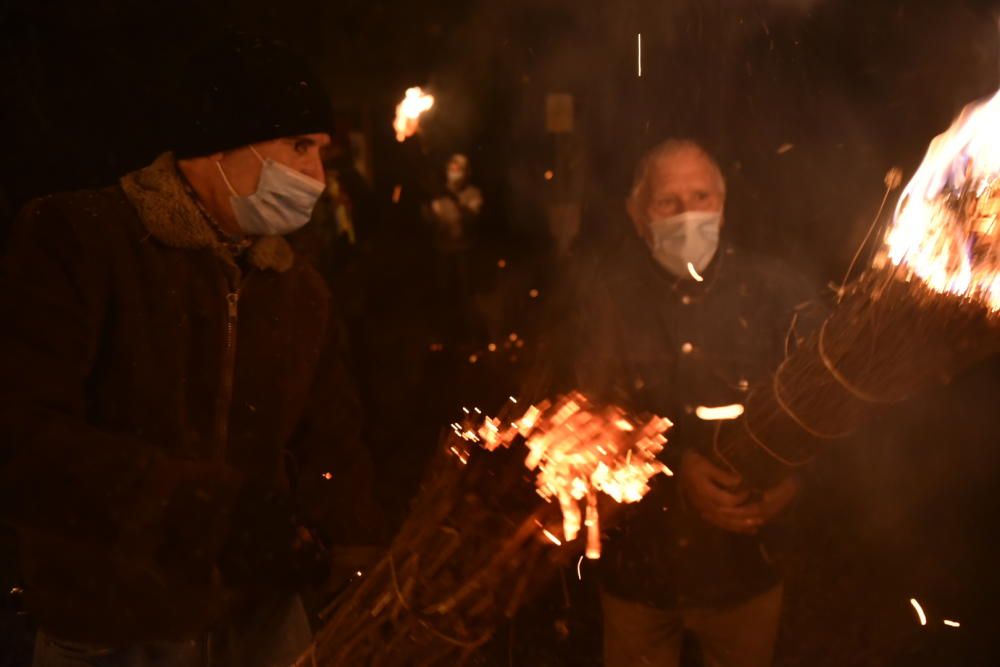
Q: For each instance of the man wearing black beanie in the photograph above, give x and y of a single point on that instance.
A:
(180, 439)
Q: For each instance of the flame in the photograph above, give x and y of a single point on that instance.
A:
(578, 450)
(408, 112)
(944, 230)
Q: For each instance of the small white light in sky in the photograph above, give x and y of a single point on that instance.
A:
(638, 41)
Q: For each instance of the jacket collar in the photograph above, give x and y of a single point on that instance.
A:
(173, 218)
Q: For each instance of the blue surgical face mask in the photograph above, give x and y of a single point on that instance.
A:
(692, 236)
(282, 203)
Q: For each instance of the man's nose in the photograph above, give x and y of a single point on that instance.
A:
(314, 169)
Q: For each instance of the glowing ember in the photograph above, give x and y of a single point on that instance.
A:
(944, 230)
(921, 616)
(694, 273)
(716, 414)
(952, 624)
(408, 112)
(579, 450)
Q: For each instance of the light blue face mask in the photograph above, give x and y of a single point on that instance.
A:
(282, 203)
(692, 236)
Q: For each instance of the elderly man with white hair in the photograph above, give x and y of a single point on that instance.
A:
(666, 319)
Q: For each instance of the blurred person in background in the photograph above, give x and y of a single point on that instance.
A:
(664, 319)
(452, 217)
(181, 445)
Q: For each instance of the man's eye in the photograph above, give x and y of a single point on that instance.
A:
(302, 146)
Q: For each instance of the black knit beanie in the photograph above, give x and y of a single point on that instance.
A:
(243, 90)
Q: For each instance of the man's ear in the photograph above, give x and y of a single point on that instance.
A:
(635, 216)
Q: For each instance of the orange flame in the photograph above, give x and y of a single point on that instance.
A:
(408, 112)
(579, 450)
(944, 230)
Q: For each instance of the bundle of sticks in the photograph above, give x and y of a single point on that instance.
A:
(498, 513)
(926, 309)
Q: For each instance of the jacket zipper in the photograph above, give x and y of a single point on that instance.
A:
(228, 368)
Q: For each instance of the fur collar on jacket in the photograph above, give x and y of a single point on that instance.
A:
(170, 215)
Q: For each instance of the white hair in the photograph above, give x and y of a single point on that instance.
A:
(669, 148)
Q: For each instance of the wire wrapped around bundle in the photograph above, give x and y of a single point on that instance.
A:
(887, 339)
(927, 309)
(485, 533)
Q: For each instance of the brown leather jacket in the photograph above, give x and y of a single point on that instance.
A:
(146, 377)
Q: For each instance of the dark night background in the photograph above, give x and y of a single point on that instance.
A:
(807, 104)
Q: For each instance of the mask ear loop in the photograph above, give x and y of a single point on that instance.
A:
(222, 172)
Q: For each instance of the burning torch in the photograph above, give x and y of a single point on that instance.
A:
(924, 310)
(408, 112)
(479, 541)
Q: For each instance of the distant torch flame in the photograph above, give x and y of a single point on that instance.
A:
(944, 230)
(408, 112)
(579, 450)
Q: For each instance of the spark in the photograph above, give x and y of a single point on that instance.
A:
(465, 410)
(552, 538)
(638, 42)
(533, 294)
(952, 624)
(784, 148)
(358, 573)
(694, 273)
(579, 565)
(719, 413)
(502, 263)
(548, 174)
(473, 358)
(920, 611)
(327, 475)
(492, 347)
(396, 193)
(512, 399)
(458, 454)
